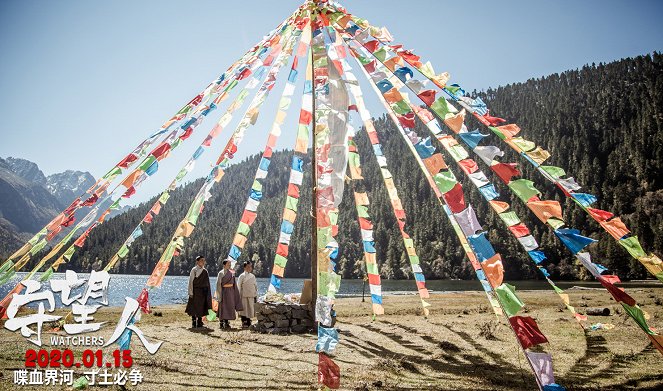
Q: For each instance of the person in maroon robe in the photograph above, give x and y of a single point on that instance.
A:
(200, 293)
(228, 295)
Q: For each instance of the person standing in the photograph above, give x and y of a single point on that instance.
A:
(248, 291)
(200, 294)
(228, 296)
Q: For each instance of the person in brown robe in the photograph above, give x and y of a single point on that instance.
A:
(200, 293)
(228, 295)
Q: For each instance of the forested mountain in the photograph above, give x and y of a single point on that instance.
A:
(602, 123)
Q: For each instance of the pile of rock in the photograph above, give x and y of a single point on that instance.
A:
(277, 318)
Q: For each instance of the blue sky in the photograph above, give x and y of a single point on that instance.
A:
(82, 82)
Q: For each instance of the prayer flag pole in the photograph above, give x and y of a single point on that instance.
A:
(314, 182)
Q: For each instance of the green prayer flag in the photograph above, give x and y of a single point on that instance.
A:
(401, 107)
(362, 211)
(6, 266)
(458, 153)
(441, 108)
(555, 222)
(509, 218)
(523, 144)
(523, 188)
(6, 276)
(181, 174)
(194, 210)
(632, 245)
(243, 228)
(291, 203)
(353, 159)
(555, 172)
(372, 268)
(636, 313)
(333, 217)
(231, 85)
(445, 181)
(69, 253)
(164, 197)
(123, 251)
(280, 260)
(38, 247)
(414, 259)
(147, 163)
(257, 186)
(381, 54)
(113, 173)
(328, 283)
(46, 275)
(408, 242)
(507, 296)
(324, 233)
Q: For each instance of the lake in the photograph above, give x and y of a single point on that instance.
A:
(174, 288)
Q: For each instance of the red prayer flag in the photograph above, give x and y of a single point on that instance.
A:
(372, 45)
(407, 120)
(599, 215)
(282, 250)
(505, 171)
(143, 301)
(455, 198)
(90, 201)
(248, 217)
(329, 373)
(305, 117)
(469, 166)
(493, 121)
(127, 160)
(187, 133)
(618, 294)
(427, 96)
(159, 151)
(373, 279)
(364, 223)
(519, 230)
(527, 331)
(293, 190)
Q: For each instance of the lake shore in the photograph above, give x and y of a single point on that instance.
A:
(460, 346)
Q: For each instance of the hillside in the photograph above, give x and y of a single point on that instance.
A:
(602, 123)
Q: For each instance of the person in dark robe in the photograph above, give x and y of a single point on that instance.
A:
(228, 295)
(200, 293)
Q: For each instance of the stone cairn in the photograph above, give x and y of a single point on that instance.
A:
(280, 318)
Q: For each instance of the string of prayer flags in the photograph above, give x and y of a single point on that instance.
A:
(574, 240)
(485, 251)
(432, 163)
(199, 104)
(291, 33)
(421, 153)
(365, 227)
(296, 176)
(255, 194)
(146, 168)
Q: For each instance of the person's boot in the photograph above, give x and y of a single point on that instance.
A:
(199, 322)
(193, 323)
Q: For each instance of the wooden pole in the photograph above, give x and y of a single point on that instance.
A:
(314, 181)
